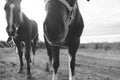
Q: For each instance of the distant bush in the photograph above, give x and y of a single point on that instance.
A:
(82, 46)
(104, 45)
(3, 44)
(95, 46)
(107, 48)
(118, 46)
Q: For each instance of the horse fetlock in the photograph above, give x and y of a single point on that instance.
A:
(72, 78)
(47, 67)
(20, 70)
(54, 77)
(29, 77)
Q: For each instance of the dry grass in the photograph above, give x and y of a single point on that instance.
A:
(90, 65)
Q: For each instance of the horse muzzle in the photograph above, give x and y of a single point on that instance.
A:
(54, 42)
(11, 32)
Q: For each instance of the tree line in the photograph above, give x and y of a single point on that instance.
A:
(104, 45)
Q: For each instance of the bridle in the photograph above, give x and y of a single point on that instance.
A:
(67, 5)
(69, 8)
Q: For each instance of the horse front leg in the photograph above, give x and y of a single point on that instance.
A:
(20, 53)
(49, 53)
(28, 60)
(49, 61)
(55, 55)
(72, 54)
(33, 44)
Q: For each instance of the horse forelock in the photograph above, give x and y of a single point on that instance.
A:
(70, 8)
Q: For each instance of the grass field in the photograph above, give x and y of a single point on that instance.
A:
(90, 65)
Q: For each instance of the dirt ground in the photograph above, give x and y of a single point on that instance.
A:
(90, 65)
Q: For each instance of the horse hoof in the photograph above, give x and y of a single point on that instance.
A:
(33, 63)
(29, 77)
(47, 68)
(20, 71)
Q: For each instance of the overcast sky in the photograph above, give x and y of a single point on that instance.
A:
(101, 18)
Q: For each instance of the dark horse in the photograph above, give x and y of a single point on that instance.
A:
(21, 29)
(63, 26)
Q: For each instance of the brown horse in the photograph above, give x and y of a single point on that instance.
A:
(21, 29)
(63, 26)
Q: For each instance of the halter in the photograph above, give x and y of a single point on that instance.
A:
(71, 9)
(65, 3)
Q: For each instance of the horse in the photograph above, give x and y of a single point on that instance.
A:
(21, 29)
(63, 26)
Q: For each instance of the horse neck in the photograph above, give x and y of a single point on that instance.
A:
(21, 16)
(24, 19)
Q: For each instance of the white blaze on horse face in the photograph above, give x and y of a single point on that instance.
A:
(11, 16)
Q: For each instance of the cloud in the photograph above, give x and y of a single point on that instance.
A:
(101, 17)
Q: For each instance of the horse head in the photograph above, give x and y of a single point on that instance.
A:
(13, 16)
(57, 20)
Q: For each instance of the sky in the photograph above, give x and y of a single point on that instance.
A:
(101, 19)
